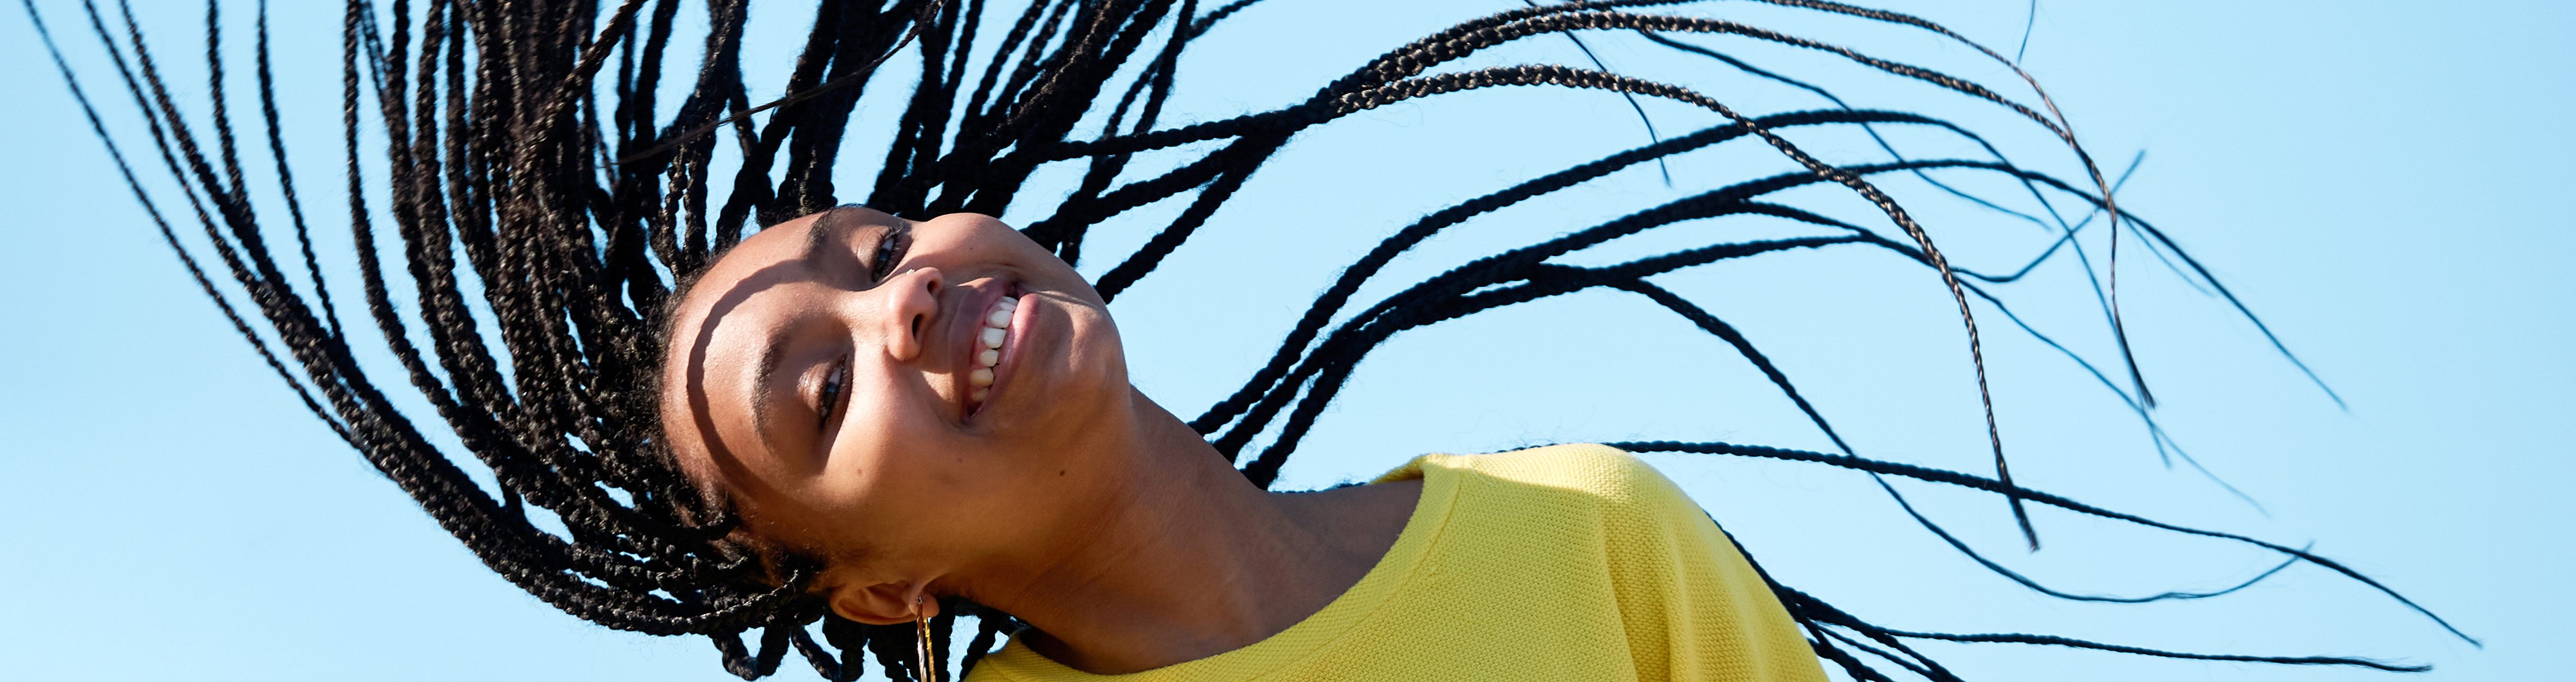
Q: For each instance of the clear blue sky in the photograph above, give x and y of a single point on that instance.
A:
(2380, 180)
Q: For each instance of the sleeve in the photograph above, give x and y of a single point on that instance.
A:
(1694, 608)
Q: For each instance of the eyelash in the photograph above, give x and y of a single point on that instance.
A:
(889, 251)
(828, 398)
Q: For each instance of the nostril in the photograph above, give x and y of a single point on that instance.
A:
(916, 326)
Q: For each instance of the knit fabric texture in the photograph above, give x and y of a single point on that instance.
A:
(1568, 562)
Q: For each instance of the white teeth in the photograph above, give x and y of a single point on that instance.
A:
(997, 325)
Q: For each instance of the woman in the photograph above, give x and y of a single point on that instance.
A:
(934, 410)
(758, 433)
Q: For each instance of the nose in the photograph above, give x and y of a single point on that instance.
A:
(912, 310)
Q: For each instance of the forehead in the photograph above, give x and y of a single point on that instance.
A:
(717, 338)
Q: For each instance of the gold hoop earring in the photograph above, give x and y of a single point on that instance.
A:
(921, 641)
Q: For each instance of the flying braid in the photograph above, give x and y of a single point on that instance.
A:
(545, 206)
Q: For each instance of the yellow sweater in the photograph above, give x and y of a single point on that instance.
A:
(1570, 562)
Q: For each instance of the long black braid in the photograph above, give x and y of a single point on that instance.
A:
(530, 137)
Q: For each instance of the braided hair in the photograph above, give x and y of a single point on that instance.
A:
(531, 138)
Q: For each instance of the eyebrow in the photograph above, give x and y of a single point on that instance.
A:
(819, 235)
(771, 354)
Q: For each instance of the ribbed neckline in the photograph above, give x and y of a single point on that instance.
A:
(1307, 637)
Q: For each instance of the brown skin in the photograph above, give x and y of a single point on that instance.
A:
(1067, 498)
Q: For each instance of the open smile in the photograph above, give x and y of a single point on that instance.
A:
(990, 345)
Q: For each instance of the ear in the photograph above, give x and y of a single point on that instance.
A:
(883, 603)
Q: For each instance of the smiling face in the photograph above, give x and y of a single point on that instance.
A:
(898, 398)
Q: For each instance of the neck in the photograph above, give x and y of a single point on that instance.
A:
(1183, 558)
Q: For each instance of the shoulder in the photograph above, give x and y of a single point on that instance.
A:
(1588, 469)
(1604, 481)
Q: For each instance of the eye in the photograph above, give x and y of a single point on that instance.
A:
(828, 399)
(889, 251)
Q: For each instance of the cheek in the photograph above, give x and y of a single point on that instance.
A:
(884, 420)
(926, 496)
(970, 241)
(899, 440)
